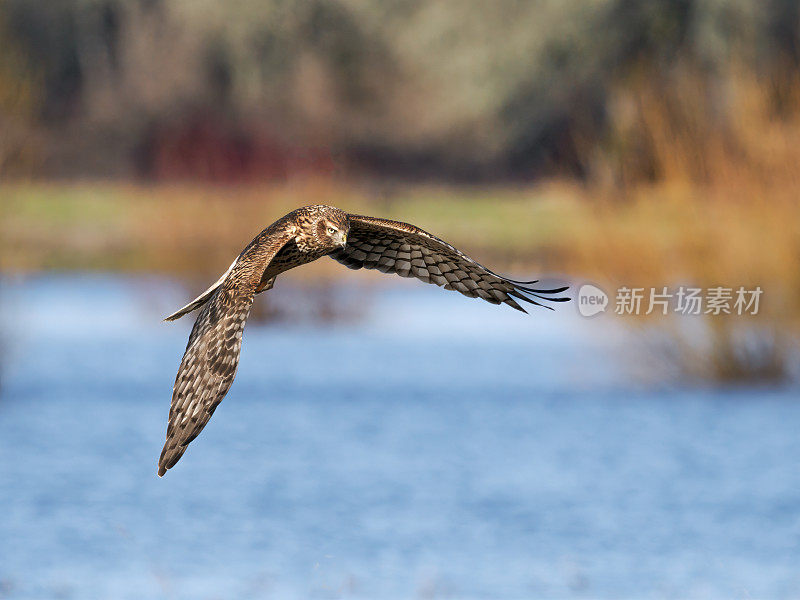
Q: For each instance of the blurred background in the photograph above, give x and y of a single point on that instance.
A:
(385, 439)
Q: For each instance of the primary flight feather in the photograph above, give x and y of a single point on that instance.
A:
(304, 235)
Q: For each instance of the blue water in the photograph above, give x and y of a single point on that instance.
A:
(437, 447)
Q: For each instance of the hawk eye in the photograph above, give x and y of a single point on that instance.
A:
(331, 230)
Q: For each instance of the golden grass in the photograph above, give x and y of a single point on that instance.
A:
(197, 229)
(657, 235)
(722, 206)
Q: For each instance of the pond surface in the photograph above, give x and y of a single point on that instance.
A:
(435, 447)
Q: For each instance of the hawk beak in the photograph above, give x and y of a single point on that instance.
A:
(344, 240)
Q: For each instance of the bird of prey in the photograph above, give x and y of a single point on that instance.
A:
(304, 235)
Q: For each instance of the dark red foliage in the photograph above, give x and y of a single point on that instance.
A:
(206, 147)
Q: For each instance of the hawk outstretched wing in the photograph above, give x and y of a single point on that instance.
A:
(212, 353)
(206, 372)
(401, 248)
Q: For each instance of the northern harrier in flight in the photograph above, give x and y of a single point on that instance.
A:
(306, 234)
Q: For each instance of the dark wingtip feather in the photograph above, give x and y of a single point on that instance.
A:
(538, 291)
(525, 298)
(527, 294)
(557, 290)
(513, 304)
(521, 287)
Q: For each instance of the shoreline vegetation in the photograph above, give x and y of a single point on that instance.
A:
(191, 230)
(659, 235)
(655, 236)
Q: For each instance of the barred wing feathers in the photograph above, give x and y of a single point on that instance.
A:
(212, 354)
(206, 372)
(408, 251)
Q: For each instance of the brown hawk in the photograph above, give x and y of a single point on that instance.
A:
(306, 234)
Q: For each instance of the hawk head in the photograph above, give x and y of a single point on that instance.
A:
(322, 229)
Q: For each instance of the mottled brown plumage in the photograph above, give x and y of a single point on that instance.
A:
(304, 235)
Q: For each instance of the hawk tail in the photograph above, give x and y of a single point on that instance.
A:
(202, 298)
